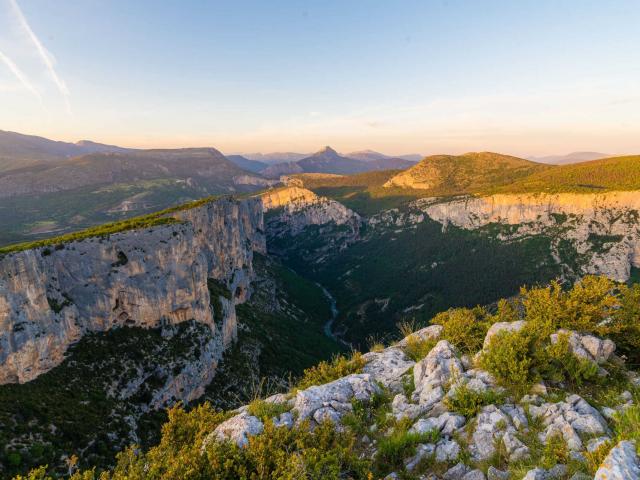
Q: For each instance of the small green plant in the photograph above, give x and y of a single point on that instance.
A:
(326, 372)
(508, 359)
(266, 410)
(400, 444)
(464, 327)
(555, 451)
(469, 402)
(560, 363)
(417, 348)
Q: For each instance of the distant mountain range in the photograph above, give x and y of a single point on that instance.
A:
(573, 157)
(18, 150)
(328, 160)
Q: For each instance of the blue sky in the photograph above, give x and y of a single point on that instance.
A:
(523, 77)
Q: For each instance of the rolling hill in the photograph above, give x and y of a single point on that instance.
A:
(574, 157)
(467, 173)
(617, 173)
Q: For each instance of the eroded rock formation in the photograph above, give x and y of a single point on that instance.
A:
(51, 296)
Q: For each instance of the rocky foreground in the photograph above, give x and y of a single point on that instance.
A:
(453, 445)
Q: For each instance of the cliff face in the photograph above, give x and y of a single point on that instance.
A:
(51, 296)
(603, 228)
(296, 208)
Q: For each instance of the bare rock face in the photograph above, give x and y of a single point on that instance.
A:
(51, 296)
(301, 207)
(432, 373)
(333, 400)
(602, 227)
(622, 463)
(387, 367)
(237, 429)
(502, 326)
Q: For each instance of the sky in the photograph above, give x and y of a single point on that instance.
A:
(525, 77)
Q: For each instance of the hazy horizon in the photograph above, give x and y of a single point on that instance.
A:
(528, 79)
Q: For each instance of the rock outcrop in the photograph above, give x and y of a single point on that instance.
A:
(51, 296)
(296, 208)
(453, 441)
(603, 227)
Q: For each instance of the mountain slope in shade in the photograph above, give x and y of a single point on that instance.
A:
(573, 157)
(19, 150)
(246, 164)
(372, 155)
(205, 167)
(275, 157)
(471, 172)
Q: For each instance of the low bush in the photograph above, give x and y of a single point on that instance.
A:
(469, 402)
(464, 327)
(509, 360)
(326, 372)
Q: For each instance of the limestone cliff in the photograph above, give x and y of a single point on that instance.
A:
(51, 296)
(296, 208)
(604, 228)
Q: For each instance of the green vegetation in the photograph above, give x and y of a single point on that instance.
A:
(266, 410)
(463, 327)
(447, 175)
(163, 217)
(618, 173)
(420, 270)
(469, 402)
(326, 372)
(280, 334)
(217, 289)
(75, 397)
(595, 305)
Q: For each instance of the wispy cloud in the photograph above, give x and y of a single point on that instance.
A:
(45, 56)
(19, 74)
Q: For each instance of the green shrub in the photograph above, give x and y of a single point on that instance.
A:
(399, 445)
(558, 363)
(469, 402)
(555, 451)
(326, 372)
(508, 359)
(463, 327)
(266, 410)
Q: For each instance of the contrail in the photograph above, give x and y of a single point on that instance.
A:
(19, 74)
(44, 54)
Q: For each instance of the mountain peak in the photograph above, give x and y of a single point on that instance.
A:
(327, 150)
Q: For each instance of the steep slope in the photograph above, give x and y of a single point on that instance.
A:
(152, 275)
(468, 173)
(18, 150)
(537, 389)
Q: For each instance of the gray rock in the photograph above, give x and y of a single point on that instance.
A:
(621, 464)
(284, 420)
(587, 347)
(447, 451)
(433, 372)
(595, 443)
(423, 451)
(428, 333)
(494, 474)
(402, 408)
(536, 474)
(333, 400)
(456, 472)
(237, 429)
(474, 475)
(387, 367)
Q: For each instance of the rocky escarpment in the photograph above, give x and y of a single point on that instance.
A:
(603, 229)
(503, 439)
(51, 296)
(296, 208)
